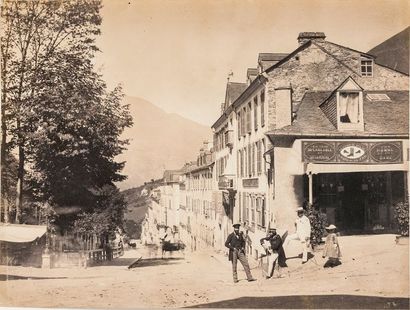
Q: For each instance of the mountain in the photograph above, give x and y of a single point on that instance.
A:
(394, 52)
(158, 141)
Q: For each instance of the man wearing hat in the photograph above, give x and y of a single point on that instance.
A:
(273, 249)
(236, 244)
(302, 234)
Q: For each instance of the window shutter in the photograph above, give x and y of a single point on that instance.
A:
(253, 159)
(239, 125)
(263, 108)
(248, 119)
(255, 112)
(249, 160)
(259, 157)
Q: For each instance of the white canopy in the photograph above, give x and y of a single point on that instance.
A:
(21, 232)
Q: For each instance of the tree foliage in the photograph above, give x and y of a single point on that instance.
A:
(318, 222)
(402, 216)
(60, 118)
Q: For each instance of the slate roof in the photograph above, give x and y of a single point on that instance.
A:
(394, 52)
(234, 90)
(381, 118)
(267, 60)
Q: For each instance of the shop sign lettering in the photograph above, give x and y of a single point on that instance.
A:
(250, 182)
(352, 152)
(319, 151)
(386, 152)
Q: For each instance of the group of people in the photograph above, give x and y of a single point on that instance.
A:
(273, 245)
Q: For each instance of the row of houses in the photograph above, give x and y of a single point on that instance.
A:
(324, 124)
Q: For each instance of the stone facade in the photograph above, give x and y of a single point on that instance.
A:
(259, 180)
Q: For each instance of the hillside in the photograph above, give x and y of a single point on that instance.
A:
(394, 52)
(137, 207)
(158, 141)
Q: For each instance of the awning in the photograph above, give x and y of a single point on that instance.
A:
(342, 168)
(21, 233)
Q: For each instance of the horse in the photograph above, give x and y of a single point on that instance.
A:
(168, 246)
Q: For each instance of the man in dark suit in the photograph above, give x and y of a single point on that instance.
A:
(236, 244)
(274, 249)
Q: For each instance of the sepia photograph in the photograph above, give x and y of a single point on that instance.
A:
(240, 154)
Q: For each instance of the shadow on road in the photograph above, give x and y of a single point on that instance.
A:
(311, 302)
(148, 262)
(7, 277)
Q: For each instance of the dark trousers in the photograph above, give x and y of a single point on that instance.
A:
(240, 255)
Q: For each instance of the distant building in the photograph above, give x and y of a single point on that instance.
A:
(199, 204)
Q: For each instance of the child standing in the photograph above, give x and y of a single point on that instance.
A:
(332, 249)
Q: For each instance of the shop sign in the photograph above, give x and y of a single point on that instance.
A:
(352, 152)
(225, 183)
(250, 182)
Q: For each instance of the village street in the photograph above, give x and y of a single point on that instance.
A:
(204, 279)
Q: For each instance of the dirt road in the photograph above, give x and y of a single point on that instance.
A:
(205, 279)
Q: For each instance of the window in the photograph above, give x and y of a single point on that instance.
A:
(263, 108)
(366, 67)
(241, 163)
(263, 152)
(243, 128)
(245, 207)
(239, 125)
(349, 107)
(248, 118)
(249, 161)
(259, 157)
(263, 212)
(245, 166)
(253, 159)
(378, 97)
(349, 99)
(252, 210)
(255, 112)
(240, 207)
(238, 163)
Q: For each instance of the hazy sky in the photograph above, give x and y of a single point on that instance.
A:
(177, 54)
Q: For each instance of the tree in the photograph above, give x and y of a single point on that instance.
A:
(35, 33)
(63, 122)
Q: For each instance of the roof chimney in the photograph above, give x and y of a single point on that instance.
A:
(310, 36)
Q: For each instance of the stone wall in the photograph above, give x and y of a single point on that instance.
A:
(317, 70)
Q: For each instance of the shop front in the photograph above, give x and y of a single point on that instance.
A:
(356, 183)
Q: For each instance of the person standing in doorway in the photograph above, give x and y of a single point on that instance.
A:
(302, 225)
(236, 244)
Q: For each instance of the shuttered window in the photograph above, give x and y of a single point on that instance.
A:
(259, 157)
(253, 159)
(255, 113)
(263, 108)
(248, 119)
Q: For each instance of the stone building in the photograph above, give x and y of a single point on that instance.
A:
(271, 180)
(200, 211)
(324, 124)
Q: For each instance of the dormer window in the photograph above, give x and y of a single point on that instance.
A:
(366, 66)
(349, 98)
(349, 107)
